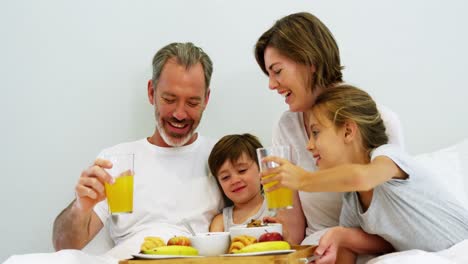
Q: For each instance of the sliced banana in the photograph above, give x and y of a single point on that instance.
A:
(264, 246)
(173, 250)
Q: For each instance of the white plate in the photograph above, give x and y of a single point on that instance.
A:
(150, 256)
(272, 252)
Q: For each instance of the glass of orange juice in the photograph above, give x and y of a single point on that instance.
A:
(281, 198)
(120, 193)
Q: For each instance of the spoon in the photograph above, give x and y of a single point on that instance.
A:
(188, 226)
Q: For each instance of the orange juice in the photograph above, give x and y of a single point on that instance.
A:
(281, 198)
(120, 194)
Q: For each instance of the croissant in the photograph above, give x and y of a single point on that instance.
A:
(152, 242)
(255, 223)
(239, 242)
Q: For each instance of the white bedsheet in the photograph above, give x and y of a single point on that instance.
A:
(68, 256)
(458, 254)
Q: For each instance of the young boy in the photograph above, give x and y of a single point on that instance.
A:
(233, 161)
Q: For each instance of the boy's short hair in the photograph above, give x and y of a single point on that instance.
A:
(231, 147)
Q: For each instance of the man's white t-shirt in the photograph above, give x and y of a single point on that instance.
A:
(321, 209)
(170, 184)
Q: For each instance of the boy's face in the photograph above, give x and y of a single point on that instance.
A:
(326, 142)
(240, 181)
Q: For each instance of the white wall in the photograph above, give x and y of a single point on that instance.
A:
(73, 80)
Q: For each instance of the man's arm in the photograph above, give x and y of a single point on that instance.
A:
(77, 224)
(73, 229)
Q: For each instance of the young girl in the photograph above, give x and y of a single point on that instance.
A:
(389, 196)
(233, 161)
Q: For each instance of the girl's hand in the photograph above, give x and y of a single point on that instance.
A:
(286, 174)
(328, 246)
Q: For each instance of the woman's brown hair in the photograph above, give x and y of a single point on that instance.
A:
(303, 38)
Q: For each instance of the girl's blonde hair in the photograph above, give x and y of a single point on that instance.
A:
(346, 102)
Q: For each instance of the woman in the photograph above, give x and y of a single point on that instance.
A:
(301, 58)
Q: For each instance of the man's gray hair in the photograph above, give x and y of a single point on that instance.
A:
(186, 54)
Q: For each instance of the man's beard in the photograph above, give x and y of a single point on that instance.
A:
(172, 139)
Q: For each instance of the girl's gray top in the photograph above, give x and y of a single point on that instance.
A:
(414, 213)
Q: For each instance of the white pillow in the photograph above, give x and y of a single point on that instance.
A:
(451, 168)
(462, 149)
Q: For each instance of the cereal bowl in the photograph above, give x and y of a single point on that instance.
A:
(211, 243)
(255, 231)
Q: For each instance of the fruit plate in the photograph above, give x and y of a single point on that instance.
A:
(295, 257)
(150, 256)
(271, 252)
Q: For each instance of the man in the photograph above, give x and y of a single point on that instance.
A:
(171, 175)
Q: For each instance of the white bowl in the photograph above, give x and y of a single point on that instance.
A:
(211, 243)
(255, 231)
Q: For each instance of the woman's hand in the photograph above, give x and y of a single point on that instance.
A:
(286, 174)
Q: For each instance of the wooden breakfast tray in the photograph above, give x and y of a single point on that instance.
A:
(289, 258)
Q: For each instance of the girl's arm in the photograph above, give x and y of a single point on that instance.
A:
(354, 239)
(217, 224)
(342, 178)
